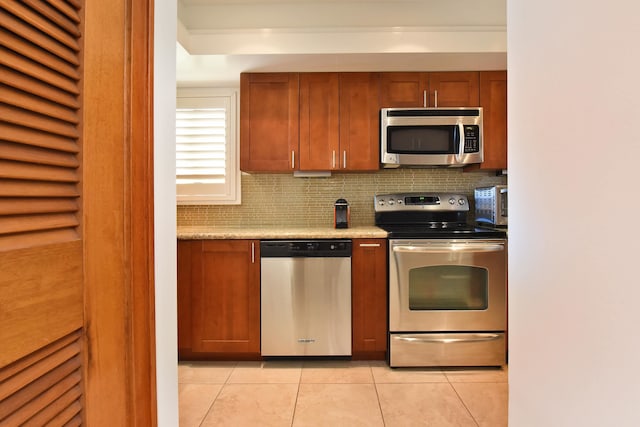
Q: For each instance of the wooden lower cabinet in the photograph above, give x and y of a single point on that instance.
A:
(219, 299)
(369, 298)
(184, 294)
(219, 312)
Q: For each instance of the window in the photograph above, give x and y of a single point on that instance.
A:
(207, 167)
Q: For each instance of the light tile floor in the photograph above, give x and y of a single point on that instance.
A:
(339, 393)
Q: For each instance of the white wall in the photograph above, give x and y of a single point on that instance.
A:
(165, 212)
(574, 109)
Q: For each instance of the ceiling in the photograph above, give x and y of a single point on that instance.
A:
(219, 39)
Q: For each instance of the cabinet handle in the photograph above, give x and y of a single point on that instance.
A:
(293, 159)
(333, 159)
(344, 159)
(253, 253)
(435, 96)
(424, 98)
(369, 245)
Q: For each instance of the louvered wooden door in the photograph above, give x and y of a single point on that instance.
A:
(41, 279)
(76, 292)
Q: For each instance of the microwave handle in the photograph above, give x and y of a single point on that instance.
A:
(461, 142)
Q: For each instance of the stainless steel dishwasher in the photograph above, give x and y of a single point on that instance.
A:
(305, 297)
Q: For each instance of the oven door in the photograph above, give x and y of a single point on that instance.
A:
(441, 285)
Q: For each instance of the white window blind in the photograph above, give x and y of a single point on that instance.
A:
(207, 169)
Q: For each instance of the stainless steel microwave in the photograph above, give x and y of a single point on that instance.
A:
(429, 137)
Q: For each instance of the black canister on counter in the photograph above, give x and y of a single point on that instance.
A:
(341, 213)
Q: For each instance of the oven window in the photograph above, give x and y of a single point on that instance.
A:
(448, 287)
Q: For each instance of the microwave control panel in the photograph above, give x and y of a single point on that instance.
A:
(471, 138)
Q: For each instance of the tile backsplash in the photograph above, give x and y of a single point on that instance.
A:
(285, 200)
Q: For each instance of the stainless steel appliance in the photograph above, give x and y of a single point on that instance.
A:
(430, 137)
(447, 282)
(305, 297)
(491, 205)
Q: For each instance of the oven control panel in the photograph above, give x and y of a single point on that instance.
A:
(421, 201)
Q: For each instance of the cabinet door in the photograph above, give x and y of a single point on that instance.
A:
(184, 293)
(369, 295)
(493, 100)
(403, 90)
(268, 122)
(225, 297)
(319, 121)
(454, 89)
(359, 122)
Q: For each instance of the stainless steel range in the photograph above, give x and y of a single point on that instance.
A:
(447, 282)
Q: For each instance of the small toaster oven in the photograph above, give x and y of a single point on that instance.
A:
(491, 205)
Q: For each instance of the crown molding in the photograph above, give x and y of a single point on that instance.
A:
(441, 39)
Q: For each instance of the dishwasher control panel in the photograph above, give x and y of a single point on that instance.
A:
(305, 248)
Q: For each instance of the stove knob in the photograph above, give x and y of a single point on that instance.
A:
(452, 201)
(461, 202)
(391, 202)
(381, 202)
(399, 201)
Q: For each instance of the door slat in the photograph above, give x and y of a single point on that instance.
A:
(26, 223)
(38, 138)
(37, 21)
(36, 172)
(41, 156)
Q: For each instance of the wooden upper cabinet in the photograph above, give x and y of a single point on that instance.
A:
(319, 121)
(268, 122)
(404, 90)
(493, 99)
(359, 122)
(330, 121)
(450, 89)
(339, 121)
(454, 89)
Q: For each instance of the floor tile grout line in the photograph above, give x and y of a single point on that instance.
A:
(222, 386)
(464, 404)
(295, 403)
(213, 401)
(375, 387)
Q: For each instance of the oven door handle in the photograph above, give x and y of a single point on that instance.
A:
(464, 338)
(451, 247)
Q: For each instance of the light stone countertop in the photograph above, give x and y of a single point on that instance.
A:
(280, 232)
